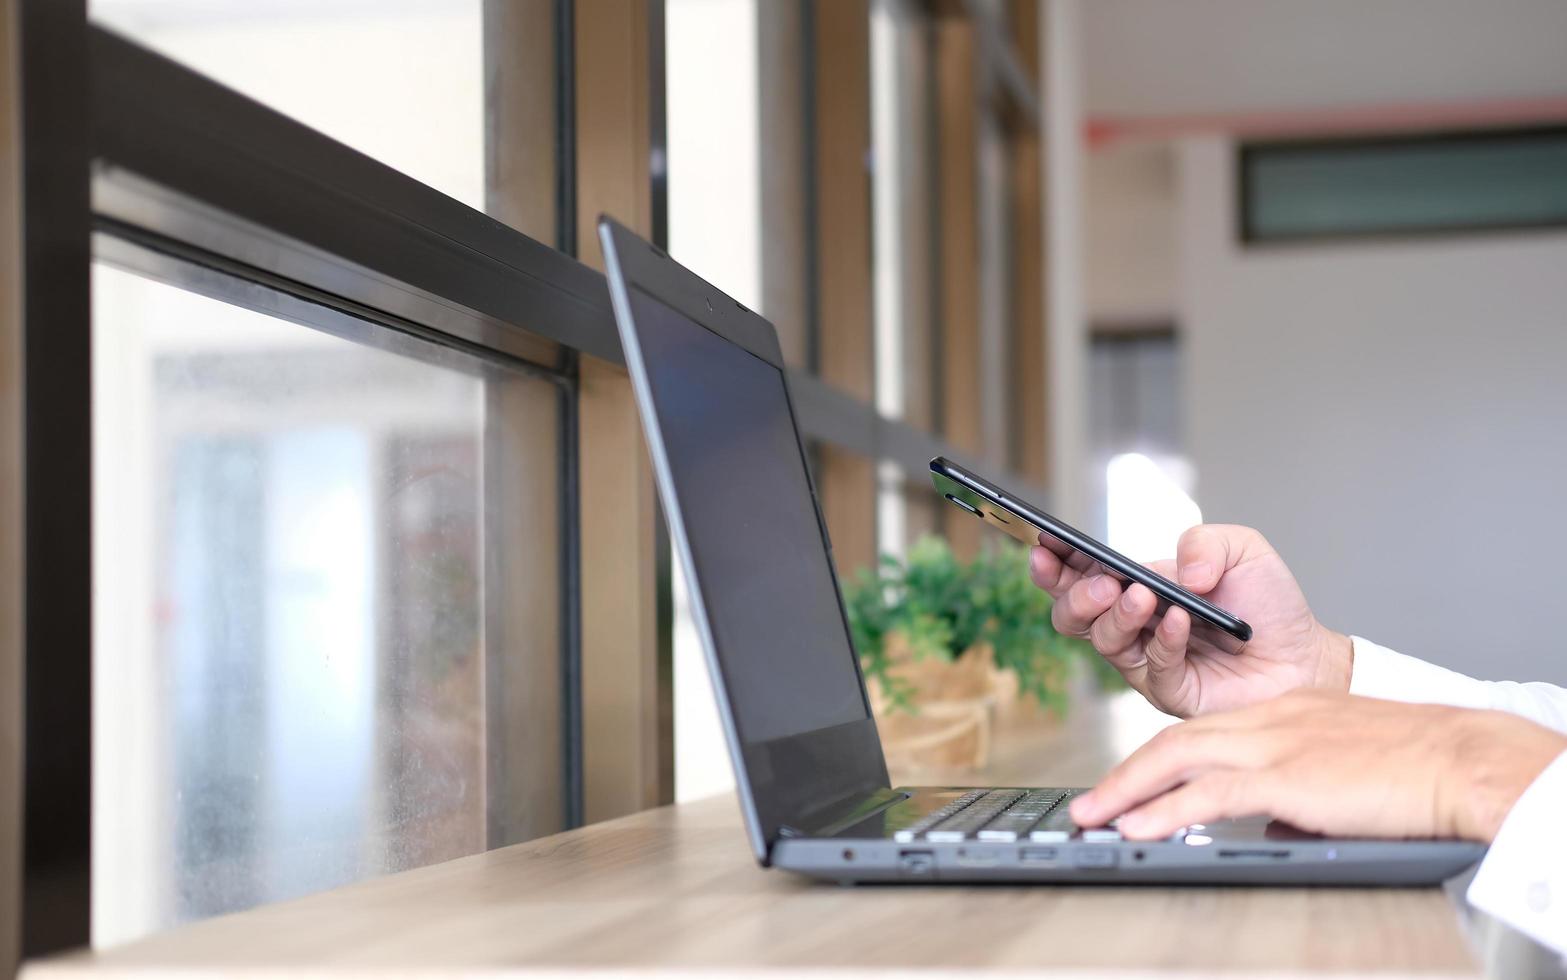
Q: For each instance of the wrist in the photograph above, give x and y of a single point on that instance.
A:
(1335, 661)
(1492, 759)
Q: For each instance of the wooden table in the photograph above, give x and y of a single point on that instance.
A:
(676, 890)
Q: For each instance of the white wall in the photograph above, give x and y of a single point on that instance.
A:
(1392, 416)
(1130, 234)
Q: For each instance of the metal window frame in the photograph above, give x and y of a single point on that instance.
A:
(181, 158)
(57, 479)
(206, 169)
(121, 142)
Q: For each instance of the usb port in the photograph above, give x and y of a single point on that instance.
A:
(917, 864)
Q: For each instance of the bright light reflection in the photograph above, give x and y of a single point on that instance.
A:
(1147, 505)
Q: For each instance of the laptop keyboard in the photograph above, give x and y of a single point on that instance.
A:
(1004, 815)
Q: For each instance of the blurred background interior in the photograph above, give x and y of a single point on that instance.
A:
(1297, 264)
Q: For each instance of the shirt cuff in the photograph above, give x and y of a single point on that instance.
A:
(1383, 673)
(1523, 879)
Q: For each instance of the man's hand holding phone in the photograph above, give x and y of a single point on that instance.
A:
(1233, 567)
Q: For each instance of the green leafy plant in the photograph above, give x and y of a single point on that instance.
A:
(942, 607)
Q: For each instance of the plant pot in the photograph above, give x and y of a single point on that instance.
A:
(951, 708)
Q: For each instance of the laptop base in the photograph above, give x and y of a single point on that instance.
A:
(1253, 851)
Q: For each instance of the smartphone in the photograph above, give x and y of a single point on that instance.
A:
(1211, 626)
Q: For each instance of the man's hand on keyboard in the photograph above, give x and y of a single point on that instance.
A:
(1236, 569)
(1329, 763)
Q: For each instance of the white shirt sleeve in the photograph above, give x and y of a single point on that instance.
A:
(1523, 879)
(1382, 673)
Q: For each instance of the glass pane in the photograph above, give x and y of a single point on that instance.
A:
(402, 82)
(903, 240)
(325, 593)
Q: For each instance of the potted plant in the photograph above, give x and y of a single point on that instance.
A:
(939, 637)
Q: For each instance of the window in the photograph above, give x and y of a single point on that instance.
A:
(304, 561)
(875, 142)
(1136, 444)
(904, 249)
(1404, 185)
(313, 435)
(324, 563)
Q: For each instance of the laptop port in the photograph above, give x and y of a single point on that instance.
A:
(978, 859)
(917, 864)
(1095, 857)
(1038, 857)
(1257, 854)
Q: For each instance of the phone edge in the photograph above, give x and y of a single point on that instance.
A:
(1099, 552)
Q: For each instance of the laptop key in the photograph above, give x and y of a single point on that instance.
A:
(1056, 828)
(968, 822)
(936, 816)
(1008, 827)
(1019, 818)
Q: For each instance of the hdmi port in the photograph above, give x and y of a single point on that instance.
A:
(978, 859)
(1038, 857)
(1254, 855)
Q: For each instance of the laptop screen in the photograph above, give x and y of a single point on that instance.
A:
(759, 553)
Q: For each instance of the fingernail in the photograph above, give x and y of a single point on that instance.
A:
(1195, 574)
(1099, 587)
(1130, 824)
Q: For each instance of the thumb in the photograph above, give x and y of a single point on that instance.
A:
(1166, 651)
(1207, 551)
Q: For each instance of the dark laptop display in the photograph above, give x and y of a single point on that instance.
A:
(771, 599)
(734, 477)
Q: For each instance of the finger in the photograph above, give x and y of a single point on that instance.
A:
(1075, 612)
(1204, 553)
(1165, 650)
(1164, 567)
(1116, 633)
(1050, 573)
(1170, 758)
(1222, 795)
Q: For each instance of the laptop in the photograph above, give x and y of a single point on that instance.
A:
(744, 520)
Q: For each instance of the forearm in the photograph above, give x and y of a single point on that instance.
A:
(1382, 673)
